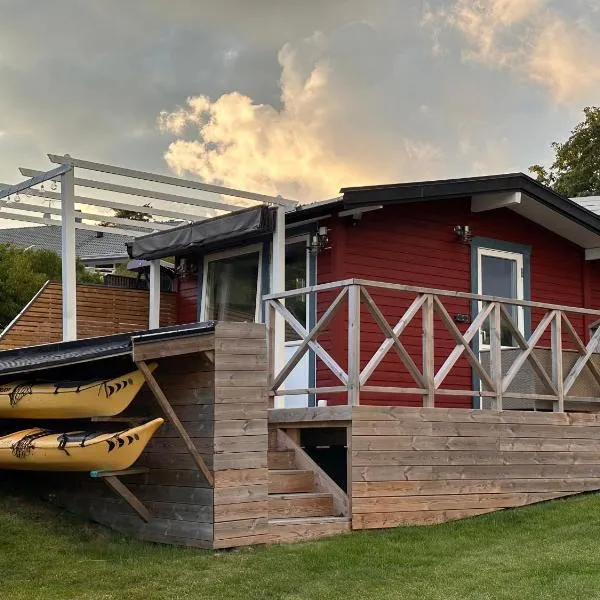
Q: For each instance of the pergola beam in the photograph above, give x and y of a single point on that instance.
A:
(147, 210)
(36, 179)
(12, 216)
(127, 223)
(142, 192)
(168, 180)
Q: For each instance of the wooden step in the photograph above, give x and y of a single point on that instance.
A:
(281, 459)
(312, 528)
(300, 505)
(285, 481)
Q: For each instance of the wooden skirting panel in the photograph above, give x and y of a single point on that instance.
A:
(414, 466)
(101, 310)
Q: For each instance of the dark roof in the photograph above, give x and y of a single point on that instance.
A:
(441, 189)
(47, 356)
(87, 243)
(243, 226)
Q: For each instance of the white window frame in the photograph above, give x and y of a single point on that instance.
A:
(507, 255)
(297, 239)
(231, 254)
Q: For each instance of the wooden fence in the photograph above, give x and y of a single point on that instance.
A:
(101, 310)
(496, 323)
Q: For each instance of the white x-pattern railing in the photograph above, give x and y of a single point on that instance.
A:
(428, 380)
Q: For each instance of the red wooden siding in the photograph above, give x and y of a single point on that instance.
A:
(187, 299)
(415, 244)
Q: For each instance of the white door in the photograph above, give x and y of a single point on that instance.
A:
(297, 266)
(500, 274)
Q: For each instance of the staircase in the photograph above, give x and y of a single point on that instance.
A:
(297, 510)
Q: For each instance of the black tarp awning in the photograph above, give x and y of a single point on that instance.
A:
(242, 225)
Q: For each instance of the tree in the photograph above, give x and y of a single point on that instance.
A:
(22, 274)
(576, 167)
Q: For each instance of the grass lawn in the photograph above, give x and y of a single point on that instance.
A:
(545, 551)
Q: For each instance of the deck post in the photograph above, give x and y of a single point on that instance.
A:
(68, 254)
(496, 354)
(354, 345)
(278, 285)
(557, 362)
(428, 353)
(154, 311)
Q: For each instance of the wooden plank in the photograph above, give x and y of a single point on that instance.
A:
(238, 477)
(239, 427)
(309, 414)
(322, 481)
(425, 473)
(240, 460)
(240, 362)
(174, 420)
(241, 510)
(442, 429)
(122, 473)
(394, 504)
(423, 442)
(185, 345)
(291, 481)
(240, 331)
(383, 520)
(362, 458)
(369, 489)
(229, 530)
(241, 494)
(285, 531)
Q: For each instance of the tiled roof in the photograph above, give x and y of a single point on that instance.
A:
(88, 245)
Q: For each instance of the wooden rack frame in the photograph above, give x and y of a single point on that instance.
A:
(111, 478)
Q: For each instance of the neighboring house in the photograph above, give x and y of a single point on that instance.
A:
(97, 250)
(504, 235)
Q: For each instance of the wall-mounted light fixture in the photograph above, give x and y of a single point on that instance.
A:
(319, 241)
(463, 232)
(185, 269)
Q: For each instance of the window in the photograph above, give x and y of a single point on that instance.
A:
(500, 273)
(231, 285)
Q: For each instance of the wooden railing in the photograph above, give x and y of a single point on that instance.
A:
(492, 319)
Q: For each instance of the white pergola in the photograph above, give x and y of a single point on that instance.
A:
(119, 188)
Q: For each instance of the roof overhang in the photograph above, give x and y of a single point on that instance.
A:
(513, 191)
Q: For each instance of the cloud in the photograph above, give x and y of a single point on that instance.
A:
(335, 127)
(535, 39)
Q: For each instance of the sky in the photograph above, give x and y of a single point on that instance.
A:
(297, 98)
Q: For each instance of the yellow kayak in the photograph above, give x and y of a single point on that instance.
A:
(69, 400)
(38, 449)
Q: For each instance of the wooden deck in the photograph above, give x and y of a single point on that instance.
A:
(416, 466)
